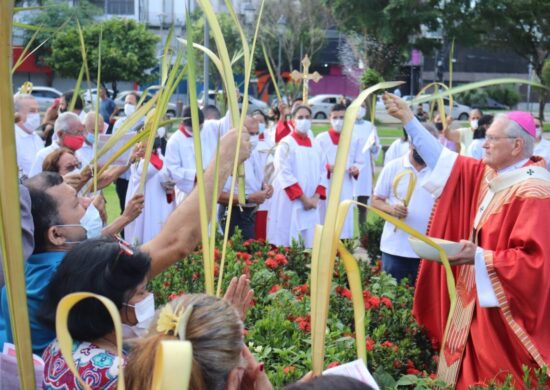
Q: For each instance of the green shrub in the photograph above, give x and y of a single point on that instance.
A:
(504, 94)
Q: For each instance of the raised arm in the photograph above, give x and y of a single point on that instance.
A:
(181, 233)
(426, 145)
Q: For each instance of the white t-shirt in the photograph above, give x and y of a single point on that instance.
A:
(476, 150)
(40, 157)
(542, 149)
(28, 145)
(397, 149)
(419, 209)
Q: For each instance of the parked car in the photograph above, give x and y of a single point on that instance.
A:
(253, 103)
(491, 104)
(45, 96)
(90, 95)
(322, 104)
(119, 101)
(460, 111)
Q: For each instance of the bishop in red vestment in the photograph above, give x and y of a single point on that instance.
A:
(498, 209)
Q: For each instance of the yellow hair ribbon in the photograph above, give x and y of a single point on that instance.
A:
(66, 341)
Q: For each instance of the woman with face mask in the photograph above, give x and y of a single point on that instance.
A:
(300, 181)
(109, 268)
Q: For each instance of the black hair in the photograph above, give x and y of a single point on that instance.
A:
(338, 107)
(79, 104)
(482, 124)
(44, 207)
(276, 113)
(187, 116)
(211, 112)
(298, 108)
(330, 382)
(98, 266)
(260, 112)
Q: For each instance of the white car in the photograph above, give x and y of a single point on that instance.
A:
(322, 104)
(460, 111)
(45, 96)
(253, 103)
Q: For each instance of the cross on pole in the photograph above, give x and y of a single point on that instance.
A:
(305, 77)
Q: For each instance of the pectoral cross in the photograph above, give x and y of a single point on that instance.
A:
(305, 77)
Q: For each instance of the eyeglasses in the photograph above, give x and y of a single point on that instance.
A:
(493, 138)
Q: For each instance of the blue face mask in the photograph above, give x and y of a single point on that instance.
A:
(261, 127)
(91, 222)
(90, 138)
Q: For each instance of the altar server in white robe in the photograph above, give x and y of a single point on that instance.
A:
(159, 199)
(180, 149)
(262, 156)
(300, 182)
(256, 191)
(328, 144)
(366, 132)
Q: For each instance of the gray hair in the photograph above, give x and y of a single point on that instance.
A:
(64, 121)
(513, 129)
(18, 99)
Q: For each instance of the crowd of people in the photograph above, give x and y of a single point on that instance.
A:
(69, 245)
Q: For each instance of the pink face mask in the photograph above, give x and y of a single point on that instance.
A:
(73, 142)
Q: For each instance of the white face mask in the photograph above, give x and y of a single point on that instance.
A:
(254, 139)
(144, 309)
(538, 131)
(129, 109)
(337, 124)
(474, 123)
(161, 132)
(361, 113)
(261, 127)
(33, 121)
(91, 222)
(303, 125)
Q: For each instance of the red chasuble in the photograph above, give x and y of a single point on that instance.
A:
(513, 232)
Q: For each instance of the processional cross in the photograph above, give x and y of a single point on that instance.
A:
(305, 77)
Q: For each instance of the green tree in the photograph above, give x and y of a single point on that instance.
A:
(386, 28)
(520, 25)
(128, 50)
(54, 15)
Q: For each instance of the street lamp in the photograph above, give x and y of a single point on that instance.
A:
(281, 28)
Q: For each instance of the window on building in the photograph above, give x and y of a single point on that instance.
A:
(119, 7)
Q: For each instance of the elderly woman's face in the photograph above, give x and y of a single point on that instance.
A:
(68, 163)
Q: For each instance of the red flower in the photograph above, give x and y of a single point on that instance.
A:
(258, 254)
(272, 253)
(274, 289)
(304, 323)
(396, 363)
(433, 376)
(370, 344)
(196, 276)
(343, 292)
(247, 243)
(166, 284)
(413, 371)
(245, 332)
(289, 370)
(386, 301)
(172, 296)
(271, 263)
(216, 254)
(216, 270)
(387, 344)
(302, 289)
(333, 364)
(281, 259)
(373, 301)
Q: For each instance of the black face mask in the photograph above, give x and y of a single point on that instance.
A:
(439, 126)
(418, 158)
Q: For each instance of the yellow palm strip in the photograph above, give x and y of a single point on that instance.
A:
(451, 287)
(173, 364)
(10, 216)
(354, 280)
(410, 187)
(475, 85)
(324, 250)
(66, 341)
(273, 77)
(199, 169)
(244, 108)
